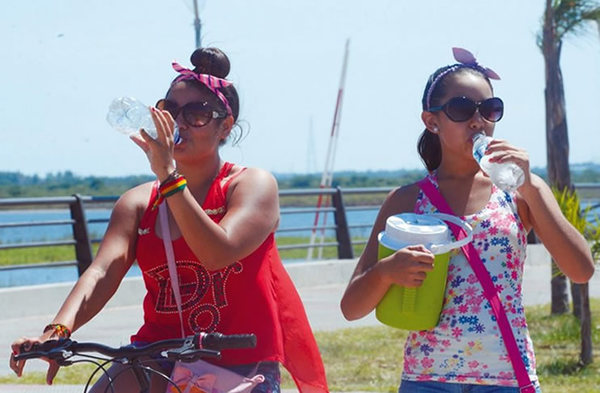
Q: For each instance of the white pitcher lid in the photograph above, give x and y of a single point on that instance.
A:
(406, 229)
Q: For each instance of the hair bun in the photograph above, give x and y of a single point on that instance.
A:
(211, 61)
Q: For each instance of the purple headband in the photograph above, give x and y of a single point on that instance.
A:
(212, 82)
(465, 59)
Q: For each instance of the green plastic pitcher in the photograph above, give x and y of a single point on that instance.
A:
(418, 308)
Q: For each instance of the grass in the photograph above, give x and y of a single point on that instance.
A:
(36, 255)
(27, 256)
(300, 253)
(370, 358)
(22, 256)
(556, 341)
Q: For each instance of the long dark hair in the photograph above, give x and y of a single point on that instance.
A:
(429, 146)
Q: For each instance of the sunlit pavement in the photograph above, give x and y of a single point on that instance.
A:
(115, 323)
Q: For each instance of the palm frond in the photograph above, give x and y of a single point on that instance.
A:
(570, 205)
(593, 15)
(571, 16)
(567, 18)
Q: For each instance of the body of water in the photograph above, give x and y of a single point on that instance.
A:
(42, 275)
(96, 230)
(57, 274)
(46, 232)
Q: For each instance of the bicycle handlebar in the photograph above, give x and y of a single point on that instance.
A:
(187, 349)
(218, 341)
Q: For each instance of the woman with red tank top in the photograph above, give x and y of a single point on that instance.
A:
(222, 219)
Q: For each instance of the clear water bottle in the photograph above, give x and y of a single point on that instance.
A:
(507, 176)
(127, 115)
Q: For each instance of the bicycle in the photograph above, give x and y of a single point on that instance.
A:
(67, 352)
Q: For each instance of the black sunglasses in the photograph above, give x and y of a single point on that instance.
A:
(195, 114)
(459, 109)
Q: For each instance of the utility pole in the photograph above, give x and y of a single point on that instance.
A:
(311, 163)
(197, 24)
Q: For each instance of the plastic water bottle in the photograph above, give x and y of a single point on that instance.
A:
(127, 115)
(507, 176)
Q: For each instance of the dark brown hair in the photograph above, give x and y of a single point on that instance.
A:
(429, 146)
(213, 61)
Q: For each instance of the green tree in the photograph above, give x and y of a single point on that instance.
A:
(570, 205)
(562, 18)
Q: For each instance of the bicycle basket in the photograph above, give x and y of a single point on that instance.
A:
(203, 377)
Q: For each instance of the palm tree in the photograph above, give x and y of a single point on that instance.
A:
(563, 18)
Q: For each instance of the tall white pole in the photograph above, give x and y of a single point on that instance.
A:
(327, 177)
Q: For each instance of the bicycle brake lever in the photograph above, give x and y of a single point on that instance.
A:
(64, 360)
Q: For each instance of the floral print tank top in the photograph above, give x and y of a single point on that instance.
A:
(466, 346)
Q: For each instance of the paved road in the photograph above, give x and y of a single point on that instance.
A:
(117, 321)
(115, 324)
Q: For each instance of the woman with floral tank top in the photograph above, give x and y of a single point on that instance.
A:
(222, 219)
(465, 352)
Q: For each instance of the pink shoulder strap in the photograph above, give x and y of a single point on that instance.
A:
(166, 237)
(489, 290)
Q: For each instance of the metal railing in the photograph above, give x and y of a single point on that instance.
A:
(589, 192)
(334, 205)
(82, 239)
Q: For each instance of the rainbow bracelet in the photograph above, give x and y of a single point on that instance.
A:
(174, 183)
(59, 329)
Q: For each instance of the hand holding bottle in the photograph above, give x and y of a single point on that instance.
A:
(507, 175)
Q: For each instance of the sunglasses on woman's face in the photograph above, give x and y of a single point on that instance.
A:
(195, 114)
(459, 109)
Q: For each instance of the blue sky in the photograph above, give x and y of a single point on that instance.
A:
(64, 61)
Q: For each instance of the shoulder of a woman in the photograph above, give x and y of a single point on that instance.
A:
(400, 200)
(250, 180)
(249, 175)
(404, 195)
(136, 198)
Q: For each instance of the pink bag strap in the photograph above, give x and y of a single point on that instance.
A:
(246, 383)
(489, 290)
(166, 237)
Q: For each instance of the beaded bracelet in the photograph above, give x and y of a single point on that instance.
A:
(171, 185)
(173, 175)
(59, 329)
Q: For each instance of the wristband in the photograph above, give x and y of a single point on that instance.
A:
(59, 329)
(171, 185)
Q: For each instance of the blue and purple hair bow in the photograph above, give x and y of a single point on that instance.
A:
(464, 59)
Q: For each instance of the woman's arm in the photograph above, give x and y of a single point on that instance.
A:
(252, 213)
(567, 246)
(100, 281)
(114, 258)
(252, 204)
(538, 209)
(371, 278)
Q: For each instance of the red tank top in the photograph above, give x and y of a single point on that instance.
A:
(252, 295)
